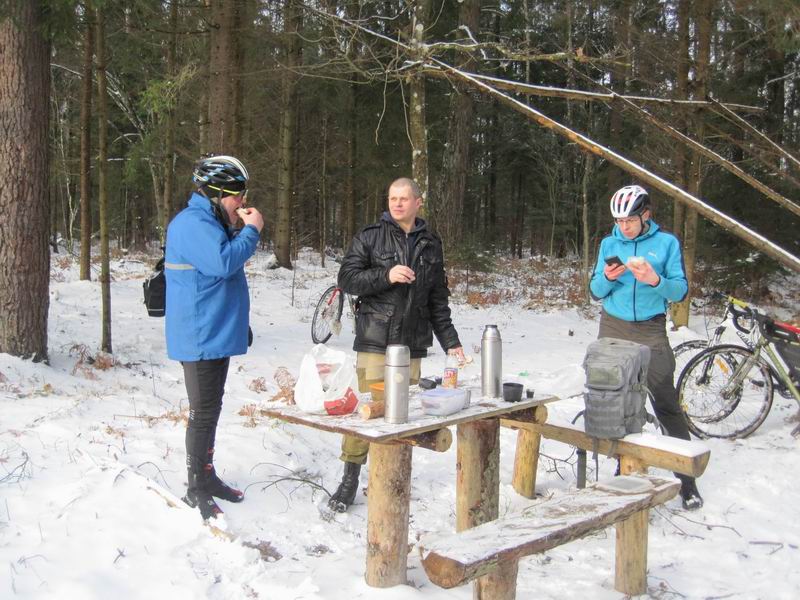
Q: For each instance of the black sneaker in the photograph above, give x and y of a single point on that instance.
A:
(690, 497)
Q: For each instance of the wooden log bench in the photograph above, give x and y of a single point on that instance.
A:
(490, 552)
(636, 451)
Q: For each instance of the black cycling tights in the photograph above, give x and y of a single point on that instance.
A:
(205, 385)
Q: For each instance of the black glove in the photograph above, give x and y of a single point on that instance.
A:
(249, 336)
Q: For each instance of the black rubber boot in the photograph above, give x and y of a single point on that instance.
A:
(218, 488)
(346, 492)
(690, 497)
(197, 495)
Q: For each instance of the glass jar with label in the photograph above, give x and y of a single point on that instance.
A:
(450, 377)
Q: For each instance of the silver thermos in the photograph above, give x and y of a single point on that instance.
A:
(396, 375)
(491, 362)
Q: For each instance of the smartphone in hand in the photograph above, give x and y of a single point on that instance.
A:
(613, 261)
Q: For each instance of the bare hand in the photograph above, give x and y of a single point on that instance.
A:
(459, 352)
(613, 272)
(643, 271)
(401, 274)
(251, 216)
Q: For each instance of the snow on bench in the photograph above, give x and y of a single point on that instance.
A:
(452, 559)
(682, 456)
(637, 451)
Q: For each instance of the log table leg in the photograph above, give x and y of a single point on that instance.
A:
(630, 567)
(389, 495)
(477, 473)
(526, 459)
(478, 497)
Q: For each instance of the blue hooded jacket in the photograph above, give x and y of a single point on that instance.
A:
(629, 299)
(208, 303)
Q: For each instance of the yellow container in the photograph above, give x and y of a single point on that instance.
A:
(376, 390)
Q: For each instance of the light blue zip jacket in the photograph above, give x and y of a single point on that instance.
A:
(208, 303)
(629, 299)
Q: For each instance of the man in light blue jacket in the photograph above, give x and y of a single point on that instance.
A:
(639, 272)
(207, 309)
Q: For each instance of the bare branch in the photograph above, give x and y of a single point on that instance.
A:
(725, 111)
(713, 156)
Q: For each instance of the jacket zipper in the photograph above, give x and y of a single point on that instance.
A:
(635, 245)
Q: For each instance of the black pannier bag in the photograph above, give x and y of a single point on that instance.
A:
(155, 291)
(787, 343)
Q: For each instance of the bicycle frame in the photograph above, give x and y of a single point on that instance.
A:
(740, 372)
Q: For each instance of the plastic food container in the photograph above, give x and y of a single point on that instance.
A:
(444, 401)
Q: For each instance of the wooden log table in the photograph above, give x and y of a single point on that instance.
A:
(389, 493)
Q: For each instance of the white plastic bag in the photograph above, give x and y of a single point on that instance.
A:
(325, 374)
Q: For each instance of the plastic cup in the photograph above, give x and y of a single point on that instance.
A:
(512, 392)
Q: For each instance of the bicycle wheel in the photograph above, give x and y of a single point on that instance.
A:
(328, 312)
(684, 352)
(725, 392)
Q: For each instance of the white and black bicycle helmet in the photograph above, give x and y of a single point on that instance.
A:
(630, 201)
(222, 174)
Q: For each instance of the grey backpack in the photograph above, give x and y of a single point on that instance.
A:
(616, 388)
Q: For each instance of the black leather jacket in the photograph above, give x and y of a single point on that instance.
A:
(398, 313)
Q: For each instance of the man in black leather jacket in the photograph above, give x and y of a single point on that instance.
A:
(396, 268)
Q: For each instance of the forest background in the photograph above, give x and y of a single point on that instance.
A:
(105, 106)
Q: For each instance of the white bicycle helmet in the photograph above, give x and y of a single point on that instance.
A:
(630, 201)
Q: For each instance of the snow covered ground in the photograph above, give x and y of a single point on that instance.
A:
(92, 469)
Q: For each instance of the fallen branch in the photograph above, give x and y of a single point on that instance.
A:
(588, 145)
(671, 522)
(586, 96)
(779, 545)
(706, 525)
(725, 111)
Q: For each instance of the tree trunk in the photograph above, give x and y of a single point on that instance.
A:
(86, 148)
(203, 124)
(682, 92)
(774, 75)
(448, 209)
(25, 205)
(323, 192)
(102, 180)
(417, 109)
(351, 119)
(680, 312)
(620, 77)
(587, 267)
(167, 204)
(293, 24)
(222, 76)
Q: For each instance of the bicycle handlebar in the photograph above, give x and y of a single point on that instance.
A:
(738, 309)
